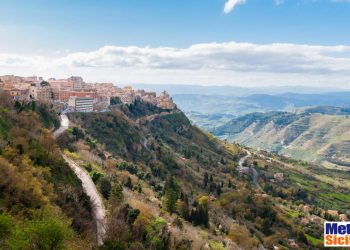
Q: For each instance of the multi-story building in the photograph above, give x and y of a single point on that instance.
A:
(40, 92)
(127, 95)
(77, 82)
(33, 92)
(19, 94)
(31, 79)
(102, 103)
(45, 93)
(64, 95)
(7, 86)
(12, 79)
(150, 97)
(60, 84)
(81, 104)
(165, 101)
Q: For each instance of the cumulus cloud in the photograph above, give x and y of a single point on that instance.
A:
(231, 4)
(210, 63)
(281, 58)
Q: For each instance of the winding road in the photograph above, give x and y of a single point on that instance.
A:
(98, 208)
(255, 174)
(64, 126)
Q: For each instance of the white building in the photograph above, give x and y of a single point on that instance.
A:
(81, 104)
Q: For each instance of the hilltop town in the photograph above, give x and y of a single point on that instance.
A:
(76, 94)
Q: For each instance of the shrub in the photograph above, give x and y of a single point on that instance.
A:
(117, 191)
(47, 233)
(105, 187)
(5, 225)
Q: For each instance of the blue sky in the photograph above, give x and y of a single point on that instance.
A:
(54, 30)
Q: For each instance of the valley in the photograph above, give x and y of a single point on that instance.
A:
(212, 110)
(311, 135)
(152, 180)
(151, 147)
(174, 125)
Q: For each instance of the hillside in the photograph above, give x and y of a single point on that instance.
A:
(211, 110)
(182, 190)
(42, 204)
(165, 184)
(317, 134)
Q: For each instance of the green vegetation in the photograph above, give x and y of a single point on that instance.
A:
(173, 172)
(41, 199)
(115, 100)
(166, 184)
(48, 232)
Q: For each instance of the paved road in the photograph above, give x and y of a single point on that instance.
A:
(255, 178)
(255, 174)
(242, 160)
(96, 201)
(98, 208)
(64, 126)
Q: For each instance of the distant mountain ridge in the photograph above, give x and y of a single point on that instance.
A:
(318, 134)
(210, 111)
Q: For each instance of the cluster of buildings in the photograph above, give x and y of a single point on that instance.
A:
(78, 95)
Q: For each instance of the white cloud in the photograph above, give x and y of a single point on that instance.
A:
(208, 63)
(282, 58)
(231, 4)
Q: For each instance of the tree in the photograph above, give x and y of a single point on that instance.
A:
(266, 227)
(47, 233)
(171, 194)
(138, 188)
(44, 84)
(128, 183)
(18, 106)
(183, 209)
(200, 215)
(301, 237)
(218, 190)
(115, 100)
(212, 186)
(105, 186)
(117, 192)
(206, 179)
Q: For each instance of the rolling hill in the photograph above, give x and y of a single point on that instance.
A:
(211, 110)
(316, 134)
